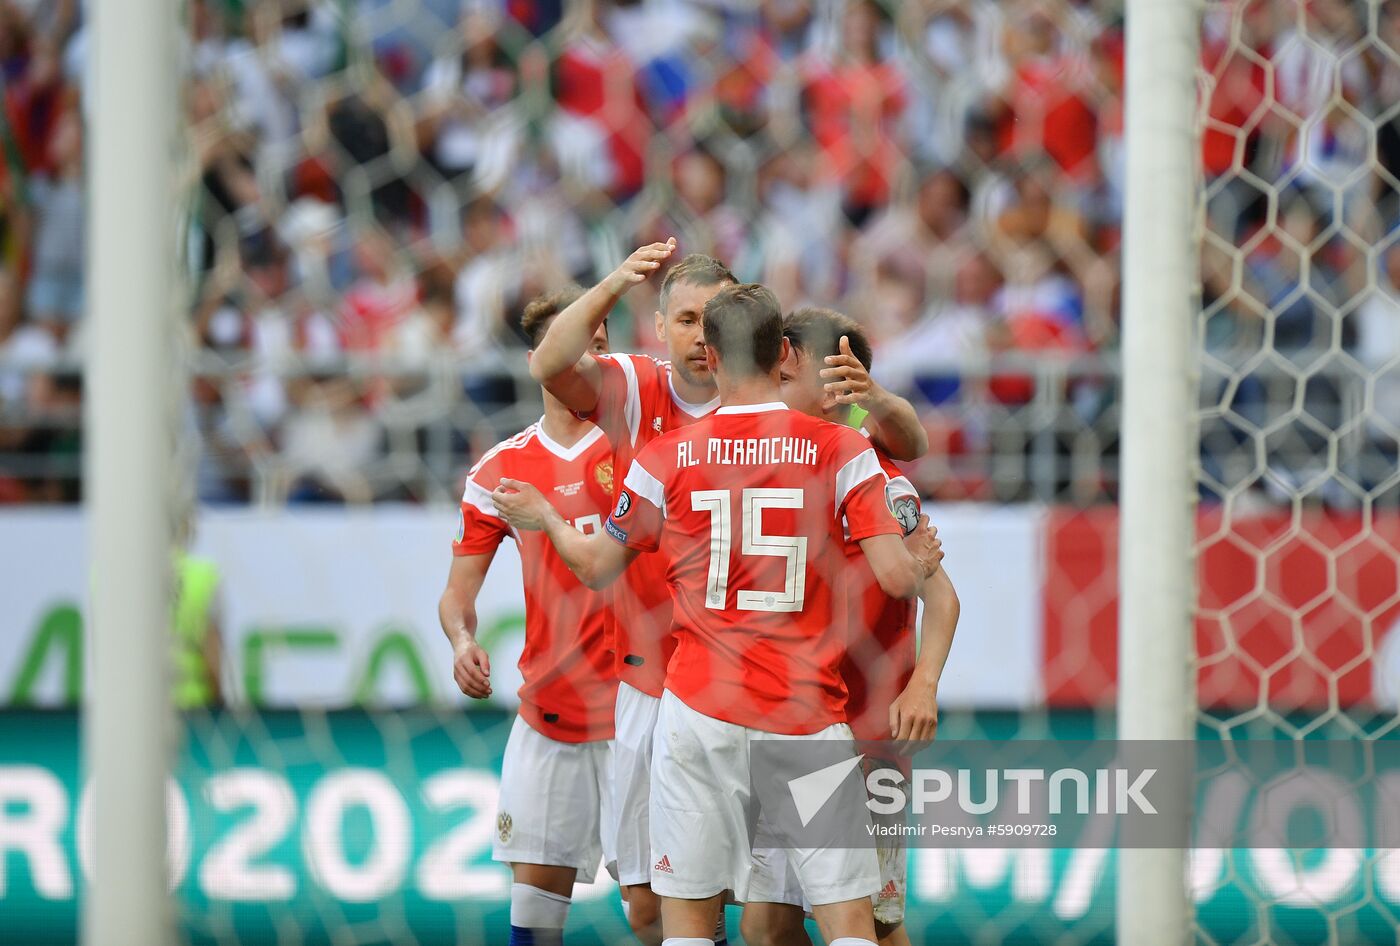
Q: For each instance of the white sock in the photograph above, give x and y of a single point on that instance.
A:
(534, 909)
(852, 941)
(687, 941)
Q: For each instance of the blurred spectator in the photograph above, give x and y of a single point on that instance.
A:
(1045, 98)
(328, 443)
(56, 285)
(700, 215)
(465, 116)
(930, 232)
(855, 99)
(927, 356)
(801, 227)
(488, 284)
(381, 297)
(595, 84)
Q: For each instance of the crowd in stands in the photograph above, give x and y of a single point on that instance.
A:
(383, 185)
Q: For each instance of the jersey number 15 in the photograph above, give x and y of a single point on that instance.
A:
(792, 549)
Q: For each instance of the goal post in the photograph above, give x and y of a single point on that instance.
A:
(126, 724)
(1156, 694)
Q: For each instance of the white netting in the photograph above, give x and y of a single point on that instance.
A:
(1301, 286)
(383, 185)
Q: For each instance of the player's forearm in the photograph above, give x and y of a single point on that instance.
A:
(903, 577)
(457, 615)
(895, 425)
(574, 548)
(566, 342)
(936, 630)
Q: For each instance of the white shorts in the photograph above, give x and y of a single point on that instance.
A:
(555, 806)
(631, 782)
(702, 805)
(775, 880)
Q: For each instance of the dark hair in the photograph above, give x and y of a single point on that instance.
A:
(744, 325)
(541, 309)
(817, 332)
(697, 269)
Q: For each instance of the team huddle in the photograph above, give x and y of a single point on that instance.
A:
(713, 556)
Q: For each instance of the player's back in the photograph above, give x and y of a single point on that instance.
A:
(754, 499)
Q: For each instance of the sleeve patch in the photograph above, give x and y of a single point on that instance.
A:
(624, 505)
(906, 511)
(612, 529)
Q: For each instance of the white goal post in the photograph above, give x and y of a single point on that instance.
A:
(1156, 691)
(126, 723)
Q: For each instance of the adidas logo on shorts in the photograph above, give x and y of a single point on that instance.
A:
(890, 891)
(664, 865)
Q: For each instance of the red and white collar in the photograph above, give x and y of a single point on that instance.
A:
(561, 451)
(753, 408)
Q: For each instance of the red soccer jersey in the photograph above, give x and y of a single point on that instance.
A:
(749, 508)
(881, 644)
(569, 684)
(637, 404)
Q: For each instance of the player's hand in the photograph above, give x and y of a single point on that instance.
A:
(914, 716)
(636, 268)
(847, 379)
(471, 668)
(925, 545)
(521, 504)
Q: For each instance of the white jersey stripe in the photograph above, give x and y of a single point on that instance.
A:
(646, 486)
(855, 472)
(900, 486)
(632, 410)
(480, 497)
(519, 440)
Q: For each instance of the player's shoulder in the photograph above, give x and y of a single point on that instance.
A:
(656, 450)
(840, 438)
(642, 364)
(503, 453)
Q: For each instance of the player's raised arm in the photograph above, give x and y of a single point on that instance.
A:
(471, 667)
(596, 560)
(893, 423)
(561, 361)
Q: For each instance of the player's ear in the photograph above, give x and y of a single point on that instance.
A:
(711, 359)
(660, 327)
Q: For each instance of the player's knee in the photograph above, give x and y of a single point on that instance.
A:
(644, 916)
(765, 930)
(754, 931)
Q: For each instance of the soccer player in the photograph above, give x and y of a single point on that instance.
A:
(892, 694)
(554, 819)
(754, 506)
(636, 399)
